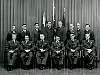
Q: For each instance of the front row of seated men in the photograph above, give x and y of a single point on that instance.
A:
(27, 51)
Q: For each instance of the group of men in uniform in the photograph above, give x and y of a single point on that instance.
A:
(59, 44)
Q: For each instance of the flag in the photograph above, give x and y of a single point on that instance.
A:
(44, 20)
(64, 21)
(53, 17)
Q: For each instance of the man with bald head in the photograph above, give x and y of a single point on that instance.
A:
(61, 31)
(70, 30)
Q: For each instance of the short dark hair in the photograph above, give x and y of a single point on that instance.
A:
(13, 25)
(87, 25)
(49, 21)
(36, 23)
(23, 24)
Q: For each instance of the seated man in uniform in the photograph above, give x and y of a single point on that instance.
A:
(58, 52)
(42, 48)
(89, 51)
(73, 48)
(13, 47)
(27, 52)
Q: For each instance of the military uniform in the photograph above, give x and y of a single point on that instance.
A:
(49, 34)
(21, 35)
(73, 56)
(69, 32)
(89, 56)
(13, 48)
(91, 34)
(58, 57)
(35, 35)
(26, 56)
(9, 35)
(42, 56)
(79, 35)
(61, 32)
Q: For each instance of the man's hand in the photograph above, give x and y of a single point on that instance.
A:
(57, 52)
(42, 50)
(89, 50)
(27, 50)
(72, 50)
(11, 51)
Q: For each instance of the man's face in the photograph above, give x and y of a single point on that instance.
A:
(49, 24)
(60, 24)
(42, 36)
(13, 36)
(78, 26)
(24, 27)
(87, 27)
(57, 38)
(37, 26)
(13, 27)
(87, 36)
(72, 36)
(26, 38)
(71, 26)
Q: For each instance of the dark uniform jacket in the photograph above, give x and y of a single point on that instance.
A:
(49, 34)
(79, 35)
(61, 32)
(69, 32)
(27, 46)
(42, 45)
(35, 35)
(9, 35)
(73, 45)
(91, 34)
(88, 45)
(15, 46)
(22, 35)
(57, 46)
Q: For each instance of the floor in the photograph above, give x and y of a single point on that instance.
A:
(78, 71)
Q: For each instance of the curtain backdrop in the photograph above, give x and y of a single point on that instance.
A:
(30, 11)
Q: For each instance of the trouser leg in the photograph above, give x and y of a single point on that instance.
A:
(23, 54)
(28, 61)
(38, 54)
(44, 60)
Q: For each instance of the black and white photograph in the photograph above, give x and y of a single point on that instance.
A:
(49, 37)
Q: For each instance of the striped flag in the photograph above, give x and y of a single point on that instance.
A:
(44, 20)
(64, 20)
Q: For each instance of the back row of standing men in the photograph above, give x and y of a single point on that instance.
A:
(54, 42)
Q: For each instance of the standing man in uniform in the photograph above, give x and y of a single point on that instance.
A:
(61, 31)
(49, 33)
(79, 33)
(35, 35)
(88, 30)
(9, 35)
(58, 52)
(70, 30)
(23, 33)
(89, 51)
(73, 47)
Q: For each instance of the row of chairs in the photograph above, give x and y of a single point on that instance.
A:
(50, 63)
